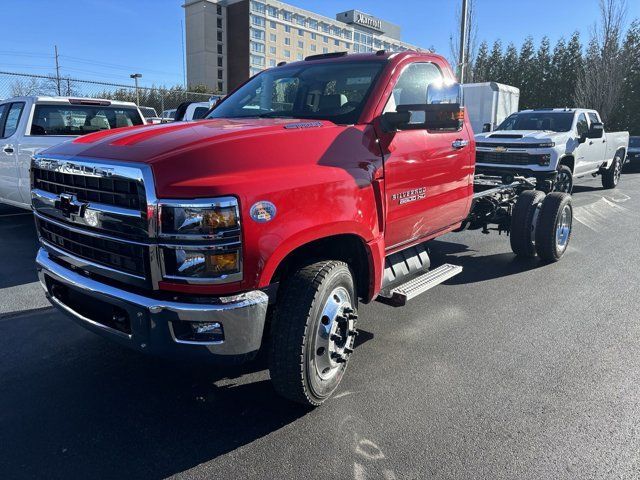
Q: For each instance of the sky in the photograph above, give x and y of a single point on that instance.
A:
(110, 39)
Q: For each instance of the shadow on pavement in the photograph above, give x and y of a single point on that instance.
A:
(83, 407)
(19, 244)
(478, 268)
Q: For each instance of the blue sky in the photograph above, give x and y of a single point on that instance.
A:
(109, 39)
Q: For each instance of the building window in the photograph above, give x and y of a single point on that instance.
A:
(272, 24)
(287, 53)
(219, 74)
(347, 45)
(272, 62)
(287, 28)
(272, 11)
(219, 61)
(272, 50)
(257, 47)
(219, 9)
(258, 7)
(325, 50)
(219, 49)
(301, 32)
(325, 28)
(313, 24)
(313, 35)
(336, 43)
(300, 20)
(255, 71)
(272, 37)
(325, 39)
(287, 41)
(299, 56)
(346, 34)
(300, 44)
(313, 48)
(286, 15)
(219, 22)
(257, 60)
(258, 21)
(220, 89)
(257, 34)
(219, 36)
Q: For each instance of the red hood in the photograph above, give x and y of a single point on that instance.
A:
(226, 156)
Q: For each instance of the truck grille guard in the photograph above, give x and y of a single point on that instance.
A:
(100, 218)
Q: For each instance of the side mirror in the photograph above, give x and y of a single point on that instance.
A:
(596, 130)
(444, 110)
(486, 127)
(394, 121)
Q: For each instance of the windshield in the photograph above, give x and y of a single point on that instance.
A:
(551, 121)
(634, 142)
(330, 91)
(81, 119)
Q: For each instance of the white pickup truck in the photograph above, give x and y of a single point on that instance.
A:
(31, 124)
(556, 146)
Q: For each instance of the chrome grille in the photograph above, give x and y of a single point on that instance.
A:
(119, 192)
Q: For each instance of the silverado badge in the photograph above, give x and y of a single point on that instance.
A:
(410, 195)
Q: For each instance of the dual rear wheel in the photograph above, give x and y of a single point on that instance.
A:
(541, 225)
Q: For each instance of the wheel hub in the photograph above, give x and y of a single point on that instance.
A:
(563, 182)
(563, 229)
(333, 342)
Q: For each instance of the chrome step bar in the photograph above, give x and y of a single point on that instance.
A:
(405, 292)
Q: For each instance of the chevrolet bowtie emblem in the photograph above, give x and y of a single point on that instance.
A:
(69, 205)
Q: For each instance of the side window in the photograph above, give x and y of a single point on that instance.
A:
(582, 125)
(411, 87)
(593, 118)
(12, 118)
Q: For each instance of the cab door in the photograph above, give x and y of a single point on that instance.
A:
(10, 115)
(427, 174)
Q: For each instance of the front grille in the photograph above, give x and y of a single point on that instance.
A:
(507, 158)
(123, 256)
(119, 192)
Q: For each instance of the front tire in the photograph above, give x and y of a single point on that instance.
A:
(554, 225)
(521, 234)
(313, 332)
(564, 180)
(611, 176)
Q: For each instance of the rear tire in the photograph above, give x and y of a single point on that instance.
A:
(553, 229)
(312, 332)
(611, 176)
(521, 235)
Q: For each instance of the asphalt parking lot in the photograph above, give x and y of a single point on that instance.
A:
(513, 369)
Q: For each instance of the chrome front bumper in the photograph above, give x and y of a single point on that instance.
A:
(153, 322)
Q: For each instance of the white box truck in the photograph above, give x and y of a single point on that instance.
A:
(489, 103)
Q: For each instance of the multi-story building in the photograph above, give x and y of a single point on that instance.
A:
(230, 40)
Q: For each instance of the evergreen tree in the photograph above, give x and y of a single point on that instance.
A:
(481, 64)
(495, 66)
(627, 115)
(527, 74)
(543, 81)
(510, 74)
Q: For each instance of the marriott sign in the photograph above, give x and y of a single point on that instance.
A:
(368, 21)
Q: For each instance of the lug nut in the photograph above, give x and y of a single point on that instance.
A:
(347, 310)
(336, 338)
(348, 351)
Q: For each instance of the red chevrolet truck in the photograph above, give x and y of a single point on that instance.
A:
(312, 187)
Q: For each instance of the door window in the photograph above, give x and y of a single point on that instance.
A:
(581, 125)
(411, 88)
(12, 119)
(593, 118)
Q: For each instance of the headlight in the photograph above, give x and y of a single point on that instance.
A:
(545, 145)
(197, 220)
(193, 262)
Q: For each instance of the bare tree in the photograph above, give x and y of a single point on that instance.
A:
(472, 40)
(25, 88)
(599, 85)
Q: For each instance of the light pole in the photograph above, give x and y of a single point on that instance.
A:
(135, 77)
(464, 27)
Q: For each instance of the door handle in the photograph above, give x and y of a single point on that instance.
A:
(8, 149)
(459, 143)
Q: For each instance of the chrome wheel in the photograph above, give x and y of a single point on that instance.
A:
(333, 341)
(564, 182)
(617, 170)
(563, 230)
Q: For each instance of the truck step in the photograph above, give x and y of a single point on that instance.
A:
(402, 293)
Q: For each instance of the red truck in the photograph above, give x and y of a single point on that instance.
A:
(312, 187)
